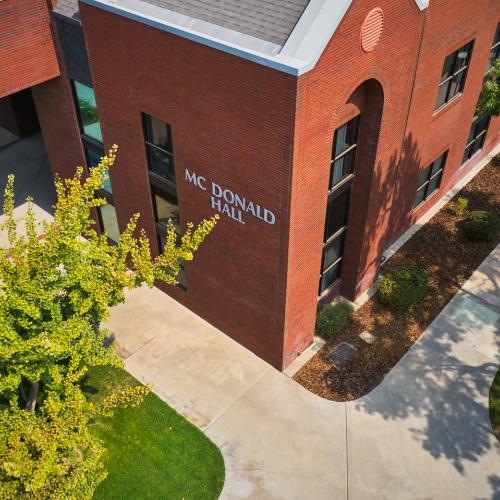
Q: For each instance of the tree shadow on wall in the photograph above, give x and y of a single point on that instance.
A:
(442, 384)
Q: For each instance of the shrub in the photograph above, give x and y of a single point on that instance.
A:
(332, 319)
(481, 226)
(403, 287)
(460, 206)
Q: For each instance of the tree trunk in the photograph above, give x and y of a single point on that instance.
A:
(31, 404)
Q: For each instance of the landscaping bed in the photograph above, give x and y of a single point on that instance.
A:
(440, 248)
(495, 405)
(151, 450)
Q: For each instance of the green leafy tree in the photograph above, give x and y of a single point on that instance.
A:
(489, 101)
(57, 284)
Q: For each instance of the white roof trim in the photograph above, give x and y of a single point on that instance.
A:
(299, 55)
(314, 30)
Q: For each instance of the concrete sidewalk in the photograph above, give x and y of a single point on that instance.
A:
(423, 433)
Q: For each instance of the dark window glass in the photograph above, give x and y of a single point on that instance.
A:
(166, 208)
(429, 179)
(343, 167)
(333, 251)
(158, 133)
(477, 136)
(87, 110)
(345, 137)
(330, 276)
(342, 171)
(337, 211)
(158, 137)
(161, 163)
(454, 75)
(344, 152)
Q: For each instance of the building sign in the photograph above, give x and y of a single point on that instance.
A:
(228, 202)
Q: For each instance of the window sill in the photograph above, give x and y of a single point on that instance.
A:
(447, 105)
(421, 204)
(326, 291)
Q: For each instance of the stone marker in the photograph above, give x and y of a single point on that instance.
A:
(367, 337)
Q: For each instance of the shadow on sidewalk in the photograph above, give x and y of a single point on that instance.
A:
(27, 160)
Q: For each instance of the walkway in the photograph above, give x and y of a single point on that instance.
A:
(423, 433)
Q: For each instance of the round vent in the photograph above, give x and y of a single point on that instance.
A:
(372, 28)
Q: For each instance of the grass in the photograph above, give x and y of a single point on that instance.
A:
(495, 405)
(151, 451)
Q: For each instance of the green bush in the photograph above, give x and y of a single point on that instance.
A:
(481, 226)
(332, 319)
(403, 287)
(460, 206)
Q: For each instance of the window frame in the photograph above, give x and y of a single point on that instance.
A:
(76, 103)
(159, 180)
(162, 187)
(91, 143)
(443, 158)
(463, 71)
(479, 138)
(344, 185)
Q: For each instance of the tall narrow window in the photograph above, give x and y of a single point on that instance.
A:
(87, 108)
(159, 148)
(429, 180)
(477, 136)
(343, 162)
(90, 131)
(454, 75)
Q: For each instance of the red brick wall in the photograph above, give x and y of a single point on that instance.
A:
(27, 55)
(410, 137)
(268, 136)
(231, 122)
(58, 122)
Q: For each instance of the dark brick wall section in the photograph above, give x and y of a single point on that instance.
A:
(27, 55)
(231, 122)
(73, 49)
(57, 116)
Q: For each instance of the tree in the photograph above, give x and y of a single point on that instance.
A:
(55, 291)
(489, 100)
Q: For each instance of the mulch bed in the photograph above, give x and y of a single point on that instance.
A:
(450, 259)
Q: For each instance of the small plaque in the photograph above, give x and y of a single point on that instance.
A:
(342, 355)
(367, 337)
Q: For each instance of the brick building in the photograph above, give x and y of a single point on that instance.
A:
(320, 130)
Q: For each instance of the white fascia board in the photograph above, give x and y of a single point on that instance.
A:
(226, 40)
(314, 30)
(299, 55)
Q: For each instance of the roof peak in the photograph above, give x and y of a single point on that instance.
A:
(287, 35)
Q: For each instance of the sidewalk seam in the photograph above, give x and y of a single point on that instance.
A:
(223, 412)
(346, 454)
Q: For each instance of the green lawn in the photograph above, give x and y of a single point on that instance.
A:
(495, 404)
(152, 452)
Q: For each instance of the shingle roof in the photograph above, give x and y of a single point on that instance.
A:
(287, 35)
(269, 20)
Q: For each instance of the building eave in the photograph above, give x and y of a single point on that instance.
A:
(297, 56)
